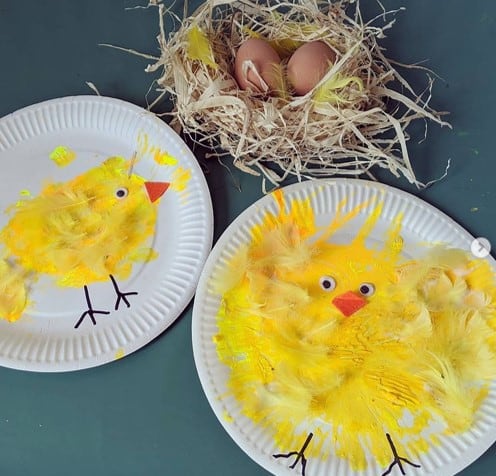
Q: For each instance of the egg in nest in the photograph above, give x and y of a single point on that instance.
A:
(259, 68)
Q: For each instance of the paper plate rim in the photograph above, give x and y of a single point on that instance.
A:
(13, 131)
(265, 460)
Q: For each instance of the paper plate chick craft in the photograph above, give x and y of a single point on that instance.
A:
(91, 228)
(352, 351)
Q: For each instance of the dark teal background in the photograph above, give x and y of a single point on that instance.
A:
(147, 414)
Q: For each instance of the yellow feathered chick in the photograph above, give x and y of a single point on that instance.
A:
(85, 230)
(349, 346)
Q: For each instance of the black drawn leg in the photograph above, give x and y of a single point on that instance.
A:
(300, 455)
(397, 459)
(90, 311)
(120, 295)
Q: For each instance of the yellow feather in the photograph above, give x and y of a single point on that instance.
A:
(13, 293)
(230, 275)
(199, 47)
(279, 86)
(335, 89)
(439, 291)
(446, 386)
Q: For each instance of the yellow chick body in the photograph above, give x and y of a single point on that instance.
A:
(347, 342)
(78, 232)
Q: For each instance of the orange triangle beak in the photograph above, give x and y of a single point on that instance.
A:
(156, 189)
(349, 303)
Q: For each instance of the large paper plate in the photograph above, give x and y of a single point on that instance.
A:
(55, 142)
(421, 224)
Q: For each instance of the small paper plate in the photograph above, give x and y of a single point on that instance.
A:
(421, 224)
(95, 128)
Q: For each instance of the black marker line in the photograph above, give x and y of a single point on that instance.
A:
(397, 459)
(90, 311)
(299, 455)
(120, 295)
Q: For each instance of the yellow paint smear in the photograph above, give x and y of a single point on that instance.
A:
(180, 175)
(62, 155)
(119, 354)
(164, 158)
(160, 156)
(180, 179)
(421, 344)
(227, 416)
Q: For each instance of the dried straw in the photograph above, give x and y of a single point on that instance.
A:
(363, 125)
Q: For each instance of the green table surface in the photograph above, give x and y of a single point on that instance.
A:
(147, 414)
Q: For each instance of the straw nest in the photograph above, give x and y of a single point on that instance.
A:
(355, 118)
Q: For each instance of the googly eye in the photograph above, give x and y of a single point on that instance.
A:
(327, 283)
(367, 289)
(121, 192)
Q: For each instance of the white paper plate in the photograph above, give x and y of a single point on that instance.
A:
(421, 223)
(45, 338)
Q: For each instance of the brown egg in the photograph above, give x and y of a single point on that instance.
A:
(308, 65)
(264, 59)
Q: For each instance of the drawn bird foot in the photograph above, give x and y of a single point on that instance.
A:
(120, 295)
(90, 311)
(398, 460)
(300, 455)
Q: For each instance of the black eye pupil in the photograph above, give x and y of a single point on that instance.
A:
(364, 289)
(327, 283)
(121, 193)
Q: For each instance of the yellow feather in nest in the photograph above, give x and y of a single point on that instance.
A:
(344, 341)
(333, 90)
(199, 47)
